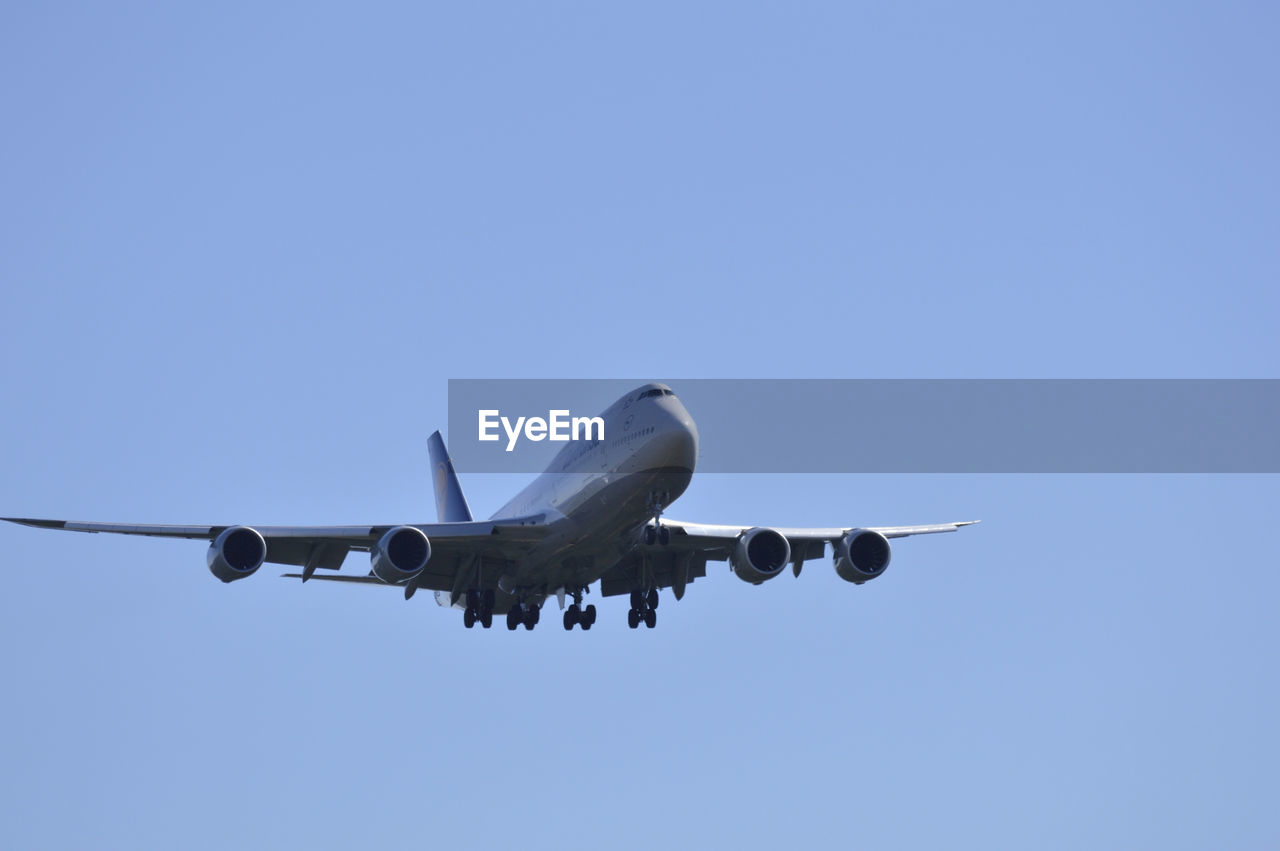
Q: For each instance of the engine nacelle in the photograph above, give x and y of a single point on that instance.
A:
(401, 555)
(238, 552)
(759, 554)
(862, 555)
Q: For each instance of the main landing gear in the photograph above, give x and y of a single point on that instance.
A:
(655, 532)
(644, 605)
(522, 613)
(479, 609)
(577, 615)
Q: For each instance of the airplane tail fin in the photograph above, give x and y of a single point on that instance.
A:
(451, 505)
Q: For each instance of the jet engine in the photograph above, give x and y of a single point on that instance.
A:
(861, 555)
(401, 555)
(759, 554)
(238, 552)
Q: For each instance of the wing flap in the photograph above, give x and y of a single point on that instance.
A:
(426, 581)
(300, 552)
(653, 567)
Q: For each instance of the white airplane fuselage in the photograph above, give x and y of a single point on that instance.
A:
(597, 496)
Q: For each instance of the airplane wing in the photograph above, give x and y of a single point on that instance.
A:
(708, 533)
(806, 543)
(692, 545)
(454, 546)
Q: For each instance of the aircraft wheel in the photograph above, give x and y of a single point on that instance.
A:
(633, 619)
(664, 536)
(570, 617)
(651, 619)
(650, 535)
(514, 616)
(469, 618)
(531, 617)
(486, 617)
(653, 598)
(637, 600)
(589, 616)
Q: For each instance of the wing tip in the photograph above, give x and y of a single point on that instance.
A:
(37, 523)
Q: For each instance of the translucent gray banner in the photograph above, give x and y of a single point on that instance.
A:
(906, 426)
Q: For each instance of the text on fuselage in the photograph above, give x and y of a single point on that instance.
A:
(558, 426)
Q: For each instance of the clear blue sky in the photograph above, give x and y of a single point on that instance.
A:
(242, 248)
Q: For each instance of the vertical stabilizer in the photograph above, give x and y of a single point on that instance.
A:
(451, 505)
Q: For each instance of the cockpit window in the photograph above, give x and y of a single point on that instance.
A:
(654, 392)
(668, 393)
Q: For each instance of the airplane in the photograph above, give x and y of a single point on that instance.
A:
(595, 514)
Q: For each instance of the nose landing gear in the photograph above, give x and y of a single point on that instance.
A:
(655, 532)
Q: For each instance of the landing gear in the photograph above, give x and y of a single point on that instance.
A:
(579, 615)
(641, 600)
(655, 532)
(479, 608)
(656, 535)
(573, 616)
(644, 606)
(523, 613)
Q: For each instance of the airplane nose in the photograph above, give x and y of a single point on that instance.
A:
(682, 447)
(679, 443)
